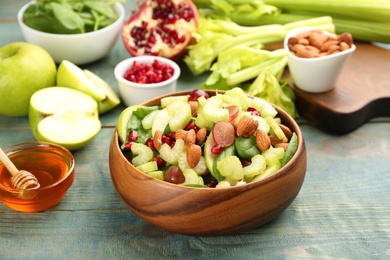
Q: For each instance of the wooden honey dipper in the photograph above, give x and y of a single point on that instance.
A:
(21, 179)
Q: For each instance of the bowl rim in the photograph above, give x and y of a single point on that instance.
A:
(284, 170)
(31, 144)
(118, 7)
(299, 30)
(127, 63)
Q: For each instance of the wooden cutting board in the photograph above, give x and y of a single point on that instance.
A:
(362, 92)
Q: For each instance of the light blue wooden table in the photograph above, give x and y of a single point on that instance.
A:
(342, 211)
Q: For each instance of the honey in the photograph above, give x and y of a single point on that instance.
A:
(54, 169)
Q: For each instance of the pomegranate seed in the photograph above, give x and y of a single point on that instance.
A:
(171, 135)
(245, 162)
(128, 145)
(160, 162)
(133, 136)
(149, 73)
(166, 140)
(149, 143)
(166, 13)
(216, 149)
(191, 125)
(253, 111)
(212, 184)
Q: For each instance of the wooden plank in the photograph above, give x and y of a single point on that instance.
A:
(342, 210)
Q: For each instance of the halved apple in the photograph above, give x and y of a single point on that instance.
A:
(64, 116)
(71, 76)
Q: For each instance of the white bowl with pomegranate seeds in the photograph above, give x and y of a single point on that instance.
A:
(145, 77)
(316, 57)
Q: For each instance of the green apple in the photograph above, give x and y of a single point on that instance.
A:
(71, 76)
(123, 120)
(24, 69)
(64, 116)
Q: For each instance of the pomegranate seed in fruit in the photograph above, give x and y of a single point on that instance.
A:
(216, 149)
(149, 143)
(160, 162)
(145, 73)
(133, 136)
(161, 28)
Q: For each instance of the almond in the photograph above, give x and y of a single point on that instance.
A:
(190, 137)
(201, 135)
(286, 130)
(157, 139)
(282, 145)
(263, 141)
(193, 154)
(180, 134)
(247, 126)
(193, 106)
(275, 140)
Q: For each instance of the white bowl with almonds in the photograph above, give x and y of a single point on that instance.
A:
(316, 57)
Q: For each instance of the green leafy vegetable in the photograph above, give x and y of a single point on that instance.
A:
(246, 147)
(70, 16)
(228, 151)
(135, 123)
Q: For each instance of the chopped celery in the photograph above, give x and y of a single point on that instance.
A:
(200, 168)
(167, 100)
(191, 177)
(157, 174)
(214, 111)
(141, 154)
(147, 121)
(230, 167)
(148, 167)
(171, 155)
(273, 156)
(275, 127)
(257, 167)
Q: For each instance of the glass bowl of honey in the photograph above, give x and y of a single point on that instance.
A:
(52, 165)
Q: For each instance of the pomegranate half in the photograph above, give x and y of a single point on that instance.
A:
(161, 28)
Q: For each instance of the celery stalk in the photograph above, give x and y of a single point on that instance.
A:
(365, 20)
(373, 10)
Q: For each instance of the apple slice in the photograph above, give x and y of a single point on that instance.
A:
(111, 99)
(123, 120)
(161, 121)
(71, 76)
(64, 116)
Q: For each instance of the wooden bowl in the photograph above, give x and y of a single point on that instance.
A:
(207, 211)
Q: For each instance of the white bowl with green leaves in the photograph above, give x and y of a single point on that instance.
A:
(78, 36)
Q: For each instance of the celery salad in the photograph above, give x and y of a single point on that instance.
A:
(207, 141)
